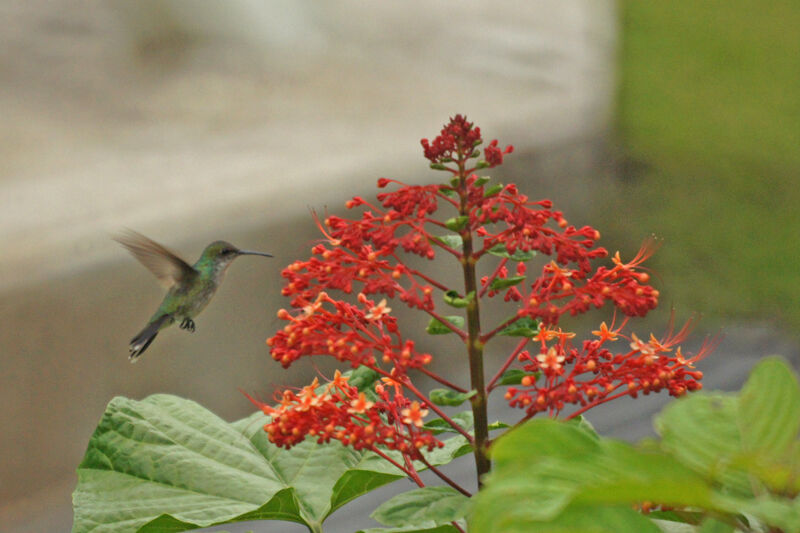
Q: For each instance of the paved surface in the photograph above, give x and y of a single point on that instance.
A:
(193, 125)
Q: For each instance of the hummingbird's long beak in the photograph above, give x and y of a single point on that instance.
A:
(248, 252)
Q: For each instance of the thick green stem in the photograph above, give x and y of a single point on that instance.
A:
(474, 344)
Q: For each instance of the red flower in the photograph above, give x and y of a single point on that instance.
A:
(348, 332)
(493, 154)
(596, 374)
(457, 138)
(338, 411)
(545, 268)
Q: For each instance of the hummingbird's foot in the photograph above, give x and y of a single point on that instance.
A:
(188, 323)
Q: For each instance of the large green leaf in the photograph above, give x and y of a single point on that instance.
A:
(737, 439)
(720, 456)
(711, 525)
(547, 467)
(168, 464)
(769, 409)
(411, 529)
(427, 506)
(511, 513)
(702, 431)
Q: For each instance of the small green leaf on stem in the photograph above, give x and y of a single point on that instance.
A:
(519, 255)
(363, 377)
(514, 376)
(450, 397)
(498, 284)
(453, 241)
(524, 327)
(440, 425)
(483, 180)
(435, 327)
(453, 299)
(457, 223)
(494, 189)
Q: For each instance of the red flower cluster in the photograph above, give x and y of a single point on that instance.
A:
(363, 256)
(338, 411)
(561, 374)
(493, 154)
(456, 138)
(347, 332)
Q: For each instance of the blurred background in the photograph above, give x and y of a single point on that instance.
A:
(196, 121)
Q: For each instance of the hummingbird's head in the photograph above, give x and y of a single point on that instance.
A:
(221, 254)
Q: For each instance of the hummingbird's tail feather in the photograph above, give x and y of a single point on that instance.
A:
(141, 341)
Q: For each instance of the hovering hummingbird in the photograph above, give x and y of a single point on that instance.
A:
(190, 286)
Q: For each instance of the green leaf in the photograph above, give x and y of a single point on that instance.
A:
(513, 376)
(522, 327)
(450, 193)
(542, 438)
(550, 467)
(483, 180)
(453, 241)
(491, 191)
(584, 425)
(453, 299)
(429, 506)
(457, 223)
(464, 420)
(771, 389)
(453, 448)
(411, 529)
(668, 526)
(498, 425)
(779, 513)
(519, 255)
(681, 516)
(711, 525)
(498, 284)
(702, 432)
(167, 464)
(363, 377)
(450, 397)
(716, 458)
(435, 327)
(510, 512)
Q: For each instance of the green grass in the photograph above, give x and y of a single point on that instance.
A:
(709, 110)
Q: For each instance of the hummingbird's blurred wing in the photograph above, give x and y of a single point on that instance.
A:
(166, 265)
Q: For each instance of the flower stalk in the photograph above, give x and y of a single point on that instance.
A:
(473, 340)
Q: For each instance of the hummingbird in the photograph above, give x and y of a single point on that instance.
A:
(191, 287)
